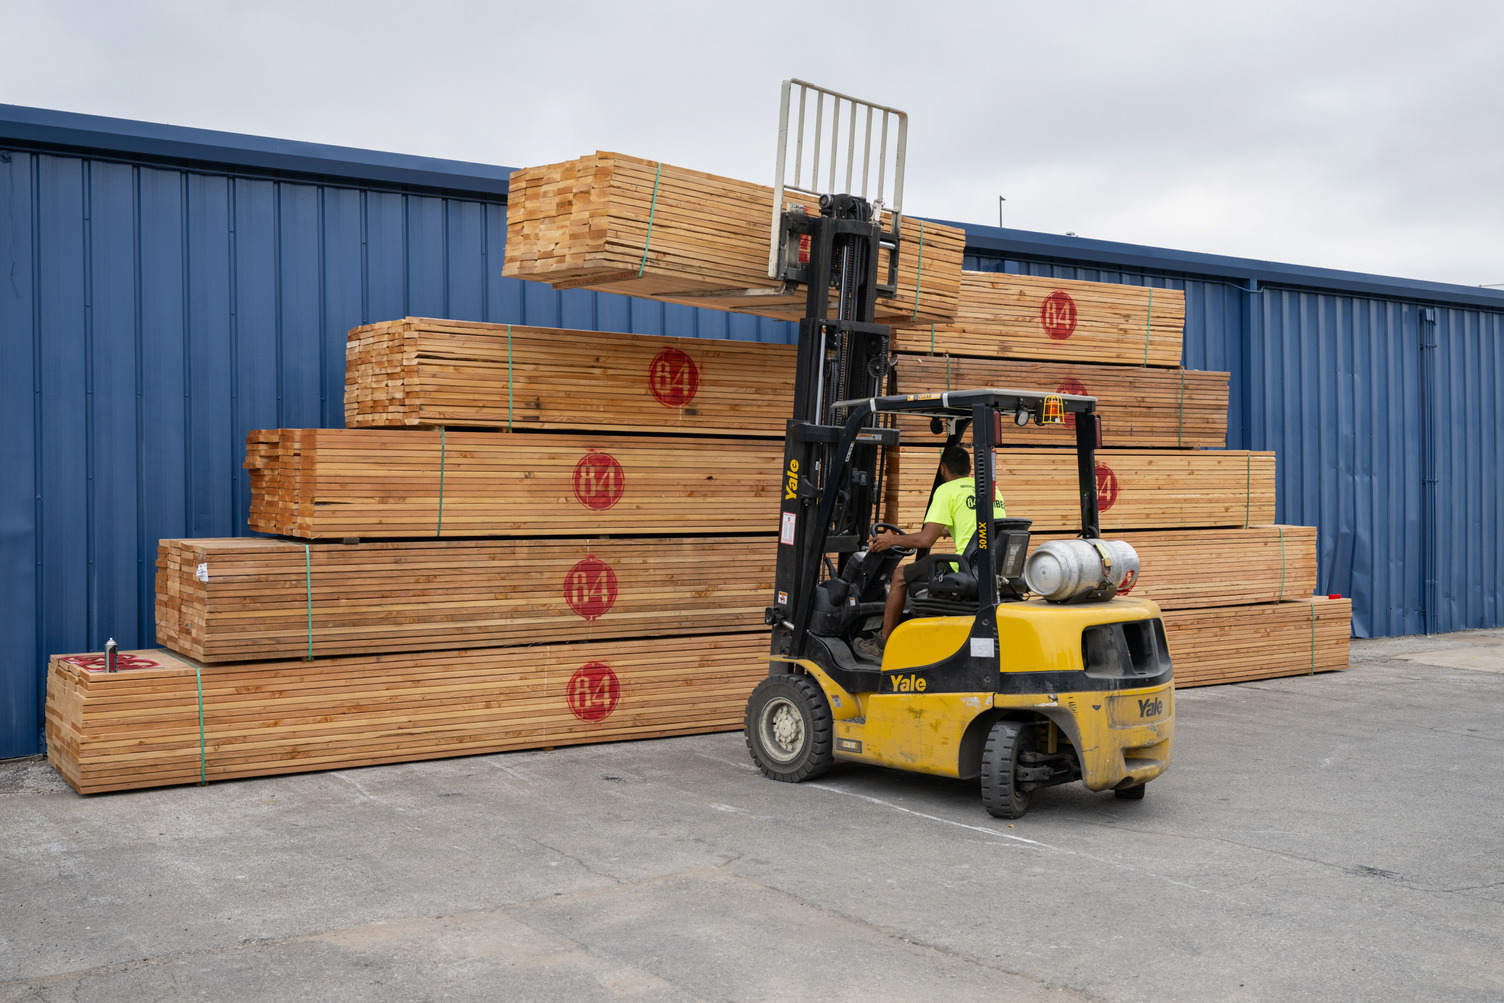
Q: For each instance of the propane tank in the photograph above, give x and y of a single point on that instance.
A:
(1063, 570)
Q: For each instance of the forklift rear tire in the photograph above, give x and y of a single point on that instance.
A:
(1000, 794)
(1134, 793)
(788, 728)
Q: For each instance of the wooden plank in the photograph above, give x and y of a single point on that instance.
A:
(336, 483)
(1242, 643)
(256, 599)
(626, 225)
(1136, 488)
(140, 727)
(1056, 320)
(1140, 406)
(421, 371)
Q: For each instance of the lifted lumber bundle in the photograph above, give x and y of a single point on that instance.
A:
(323, 483)
(419, 371)
(144, 726)
(1234, 644)
(1140, 407)
(1060, 320)
(250, 598)
(626, 225)
(1189, 568)
(1136, 488)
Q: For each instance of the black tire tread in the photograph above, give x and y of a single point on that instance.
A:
(999, 756)
(821, 752)
(1135, 793)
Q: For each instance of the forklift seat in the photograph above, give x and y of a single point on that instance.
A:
(952, 588)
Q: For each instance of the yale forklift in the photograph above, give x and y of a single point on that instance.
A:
(982, 679)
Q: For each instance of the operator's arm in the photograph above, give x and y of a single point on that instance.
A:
(923, 540)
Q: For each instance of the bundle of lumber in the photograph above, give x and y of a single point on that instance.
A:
(248, 598)
(1061, 320)
(418, 371)
(1136, 488)
(1234, 644)
(147, 726)
(1140, 407)
(321, 483)
(626, 225)
(1189, 568)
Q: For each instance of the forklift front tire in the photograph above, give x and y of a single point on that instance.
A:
(789, 729)
(1000, 794)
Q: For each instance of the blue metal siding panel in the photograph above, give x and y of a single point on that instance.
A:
(342, 284)
(20, 682)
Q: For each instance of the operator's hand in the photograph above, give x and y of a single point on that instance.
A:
(881, 541)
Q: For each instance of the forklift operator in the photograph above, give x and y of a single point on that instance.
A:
(952, 511)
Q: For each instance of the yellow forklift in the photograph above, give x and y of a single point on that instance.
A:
(1024, 675)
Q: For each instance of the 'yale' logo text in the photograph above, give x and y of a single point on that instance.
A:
(791, 481)
(1151, 707)
(908, 684)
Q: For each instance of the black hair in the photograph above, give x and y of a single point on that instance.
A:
(956, 460)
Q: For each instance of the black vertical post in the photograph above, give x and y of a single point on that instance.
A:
(984, 437)
(1088, 438)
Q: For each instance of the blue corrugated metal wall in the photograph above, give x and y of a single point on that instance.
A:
(163, 291)
(153, 315)
(1397, 460)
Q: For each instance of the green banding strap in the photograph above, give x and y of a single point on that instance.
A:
(439, 530)
(509, 378)
(932, 339)
(652, 210)
(1180, 426)
(203, 762)
(1281, 596)
(919, 280)
(947, 371)
(1148, 323)
(1247, 486)
(308, 575)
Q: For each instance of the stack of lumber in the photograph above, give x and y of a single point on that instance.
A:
(1027, 317)
(1140, 407)
(1164, 484)
(1136, 488)
(141, 726)
(626, 225)
(329, 483)
(418, 371)
(250, 598)
(1231, 644)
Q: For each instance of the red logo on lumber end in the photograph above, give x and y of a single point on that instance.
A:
(1129, 580)
(1074, 387)
(593, 691)
(590, 588)
(1058, 315)
(1107, 487)
(599, 480)
(673, 377)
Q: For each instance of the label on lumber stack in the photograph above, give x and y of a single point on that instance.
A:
(1188, 568)
(1136, 488)
(255, 599)
(141, 726)
(639, 227)
(1140, 407)
(1235, 644)
(1060, 320)
(322, 483)
(418, 371)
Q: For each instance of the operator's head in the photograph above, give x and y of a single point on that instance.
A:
(955, 462)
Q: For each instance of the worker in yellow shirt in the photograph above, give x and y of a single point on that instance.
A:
(952, 511)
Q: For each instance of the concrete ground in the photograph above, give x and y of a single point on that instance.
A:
(1327, 838)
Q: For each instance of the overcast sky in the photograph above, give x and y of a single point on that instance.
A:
(1366, 136)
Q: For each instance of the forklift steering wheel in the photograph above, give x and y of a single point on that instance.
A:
(900, 551)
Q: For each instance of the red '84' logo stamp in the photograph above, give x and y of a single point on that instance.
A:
(1057, 314)
(674, 378)
(590, 588)
(593, 691)
(599, 480)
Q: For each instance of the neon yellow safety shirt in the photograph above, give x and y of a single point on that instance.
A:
(954, 507)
